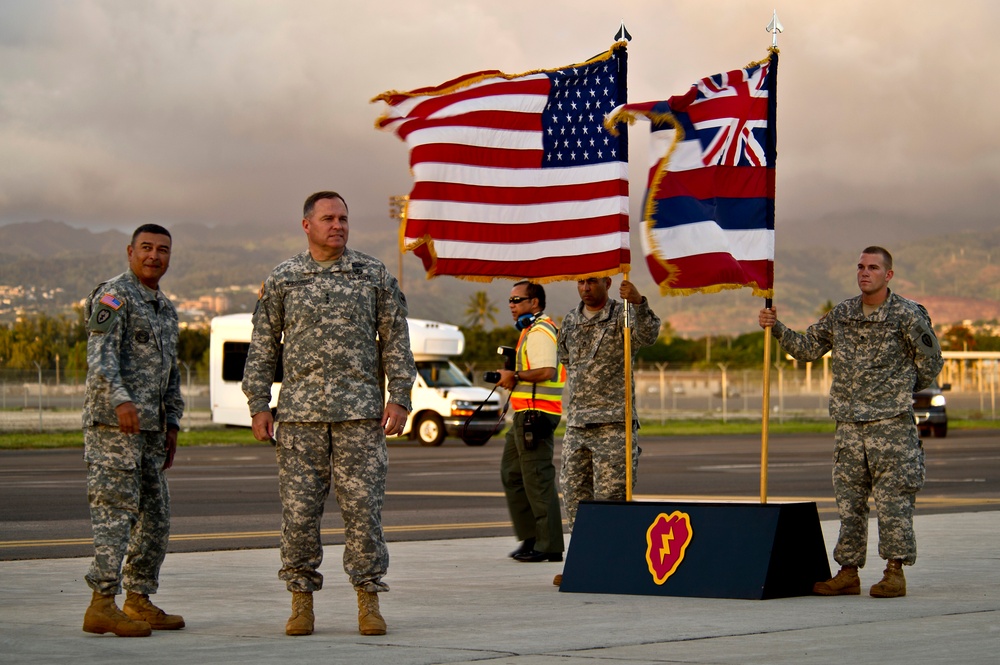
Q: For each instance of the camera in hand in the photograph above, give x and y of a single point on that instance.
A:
(509, 354)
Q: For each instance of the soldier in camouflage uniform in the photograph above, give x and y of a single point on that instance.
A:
(343, 319)
(591, 346)
(884, 349)
(131, 416)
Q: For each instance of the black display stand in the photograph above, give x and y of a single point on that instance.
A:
(709, 550)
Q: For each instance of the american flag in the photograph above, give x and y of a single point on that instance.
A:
(709, 211)
(515, 176)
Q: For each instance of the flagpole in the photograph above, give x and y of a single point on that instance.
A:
(765, 409)
(623, 36)
(774, 27)
(628, 401)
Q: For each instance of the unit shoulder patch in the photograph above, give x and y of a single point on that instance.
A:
(105, 313)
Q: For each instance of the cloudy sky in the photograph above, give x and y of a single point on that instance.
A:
(118, 112)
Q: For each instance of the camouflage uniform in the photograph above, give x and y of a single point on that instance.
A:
(878, 362)
(131, 357)
(343, 326)
(593, 449)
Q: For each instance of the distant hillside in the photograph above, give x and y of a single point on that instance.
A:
(957, 277)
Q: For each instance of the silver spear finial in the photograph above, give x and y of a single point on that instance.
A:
(774, 27)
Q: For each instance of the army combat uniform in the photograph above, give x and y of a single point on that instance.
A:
(131, 357)
(343, 326)
(593, 450)
(878, 362)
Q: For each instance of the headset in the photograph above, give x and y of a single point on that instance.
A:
(526, 320)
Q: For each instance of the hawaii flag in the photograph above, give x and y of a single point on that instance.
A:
(515, 176)
(709, 208)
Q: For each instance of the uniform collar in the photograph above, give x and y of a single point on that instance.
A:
(148, 294)
(879, 313)
(341, 264)
(602, 314)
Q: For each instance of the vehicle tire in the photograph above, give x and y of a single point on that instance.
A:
(941, 431)
(430, 430)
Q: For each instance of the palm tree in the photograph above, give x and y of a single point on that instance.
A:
(480, 310)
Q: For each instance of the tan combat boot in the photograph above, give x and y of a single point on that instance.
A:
(893, 584)
(844, 583)
(103, 616)
(139, 608)
(370, 621)
(301, 621)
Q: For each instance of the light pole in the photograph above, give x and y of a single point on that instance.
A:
(187, 411)
(663, 390)
(397, 210)
(39, 394)
(725, 390)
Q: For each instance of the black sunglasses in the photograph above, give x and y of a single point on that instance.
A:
(513, 300)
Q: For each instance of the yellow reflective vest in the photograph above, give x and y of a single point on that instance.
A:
(547, 395)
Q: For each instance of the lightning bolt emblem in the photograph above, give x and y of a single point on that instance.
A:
(665, 540)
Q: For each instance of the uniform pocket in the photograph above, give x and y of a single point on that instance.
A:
(914, 471)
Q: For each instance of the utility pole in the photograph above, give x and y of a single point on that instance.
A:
(397, 210)
(40, 428)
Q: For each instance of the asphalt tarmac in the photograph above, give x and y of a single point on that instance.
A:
(465, 601)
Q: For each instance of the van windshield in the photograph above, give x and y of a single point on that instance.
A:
(441, 374)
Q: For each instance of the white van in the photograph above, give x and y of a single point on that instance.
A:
(443, 398)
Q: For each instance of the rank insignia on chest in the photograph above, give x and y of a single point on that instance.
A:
(110, 301)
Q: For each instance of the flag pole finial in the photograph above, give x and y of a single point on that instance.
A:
(774, 27)
(622, 34)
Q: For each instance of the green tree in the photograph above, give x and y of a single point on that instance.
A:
(480, 310)
(666, 334)
(192, 345)
(39, 340)
(986, 342)
(481, 347)
(680, 351)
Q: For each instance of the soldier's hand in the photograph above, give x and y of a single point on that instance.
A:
(627, 291)
(171, 448)
(393, 419)
(128, 418)
(262, 425)
(767, 317)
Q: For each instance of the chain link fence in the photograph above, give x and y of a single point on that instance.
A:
(46, 401)
(49, 401)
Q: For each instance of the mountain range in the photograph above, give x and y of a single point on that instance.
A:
(956, 276)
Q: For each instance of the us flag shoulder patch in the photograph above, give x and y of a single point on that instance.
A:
(110, 301)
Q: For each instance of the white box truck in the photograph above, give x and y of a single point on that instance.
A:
(443, 398)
